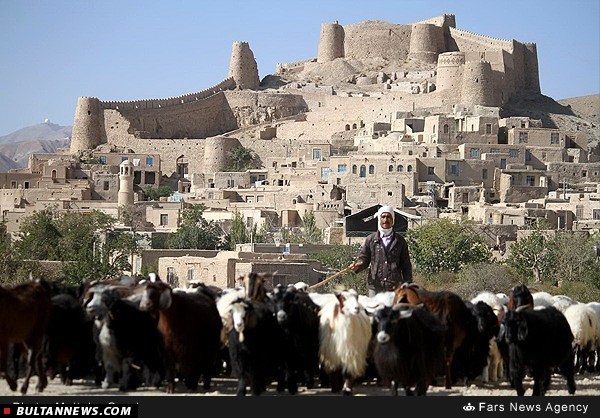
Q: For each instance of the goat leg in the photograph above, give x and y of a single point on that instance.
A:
(12, 382)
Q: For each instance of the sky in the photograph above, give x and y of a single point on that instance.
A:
(54, 51)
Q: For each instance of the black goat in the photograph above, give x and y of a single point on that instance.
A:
(256, 347)
(298, 317)
(538, 341)
(410, 347)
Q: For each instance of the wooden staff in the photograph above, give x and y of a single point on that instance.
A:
(321, 283)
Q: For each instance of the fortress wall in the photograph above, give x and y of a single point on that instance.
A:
(468, 41)
(217, 153)
(249, 108)
(377, 39)
(276, 147)
(226, 84)
(171, 149)
(526, 67)
(445, 19)
(198, 119)
(449, 71)
(478, 84)
(88, 131)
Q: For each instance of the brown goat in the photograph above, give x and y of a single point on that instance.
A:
(254, 283)
(191, 327)
(449, 308)
(24, 313)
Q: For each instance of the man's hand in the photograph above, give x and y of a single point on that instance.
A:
(354, 266)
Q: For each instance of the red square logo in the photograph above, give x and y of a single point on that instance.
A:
(6, 411)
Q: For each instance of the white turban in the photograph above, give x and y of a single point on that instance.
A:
(385, 209)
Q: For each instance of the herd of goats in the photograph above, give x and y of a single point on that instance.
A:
(147, 333)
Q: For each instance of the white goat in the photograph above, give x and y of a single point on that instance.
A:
(542, 299)
(344, 335)
(562, 302)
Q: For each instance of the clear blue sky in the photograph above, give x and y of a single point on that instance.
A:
(52, 52)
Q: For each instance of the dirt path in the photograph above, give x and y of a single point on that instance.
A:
(588, 384)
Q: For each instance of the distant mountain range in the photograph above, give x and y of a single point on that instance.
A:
(42, 138)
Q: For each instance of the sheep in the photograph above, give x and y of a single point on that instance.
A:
(255, 346)
(585, 327)
(542, 299)
(409, 348)
(191, 328)
(595, 306)
(538, 340)
(562, 302)
(380, 300)
(344, 335)
(503, 297)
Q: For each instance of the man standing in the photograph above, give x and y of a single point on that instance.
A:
(385, 253)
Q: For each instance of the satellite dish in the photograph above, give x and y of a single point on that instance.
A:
(46, 120)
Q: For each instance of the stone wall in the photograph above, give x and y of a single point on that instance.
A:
(375, 38)
(242, 66)
(331, 42)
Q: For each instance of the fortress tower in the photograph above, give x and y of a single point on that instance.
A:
(331, 42)
(477, 84)
(125, 196)
(449, 71)
(87, 125)
(242, 66)
(217, 153)
(426, 42)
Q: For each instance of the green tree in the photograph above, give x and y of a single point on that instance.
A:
(8, 263)
(155, 193)
(309, 233)
(38, 237)
(242, 158)
(533, 256)
(196, 232)
(442, 245)
(237, 233)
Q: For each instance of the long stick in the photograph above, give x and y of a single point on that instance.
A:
(321, 283)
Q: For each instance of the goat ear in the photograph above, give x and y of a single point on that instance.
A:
(523, 331)
(165, 300)
(340, 299)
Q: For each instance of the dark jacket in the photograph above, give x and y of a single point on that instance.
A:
(387, 269)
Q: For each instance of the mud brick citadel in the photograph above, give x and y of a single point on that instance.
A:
(421, 116)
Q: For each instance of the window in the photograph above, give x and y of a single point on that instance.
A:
(164, 219)
(371, 169)
(446, 128)
(230, 183)
(373, 195)
(488, 128)
(363, 171)
(150, 177)
(347, 127)
(453, 168)
(554, 138)
(409, 168)
(124, 159)
(149, 161)
(26, 184)
(433, 128)
(190, 275)
(53, 174)
(530, 180)
(527, 155)
(400, 168)
(431, 171)
(410, 152)
(390, 193)
(260, 199)
(137, 177)
(523, 137)
(474, 152)
(106, 185)
(390, 168)
(514, 153)
(102, 160)
(596, 214)
(484, 173)
(354, 169)
(522, 124)
(170, 274)
(316, 154)
(341, 168)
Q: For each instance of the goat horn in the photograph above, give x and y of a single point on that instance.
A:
(523, 307)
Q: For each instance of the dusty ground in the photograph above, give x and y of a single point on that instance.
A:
(588, 384)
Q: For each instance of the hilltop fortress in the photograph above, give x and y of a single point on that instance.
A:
(421, 116)
(455, 67)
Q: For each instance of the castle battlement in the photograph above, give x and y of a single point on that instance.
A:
(503, 43)
(226, 84)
